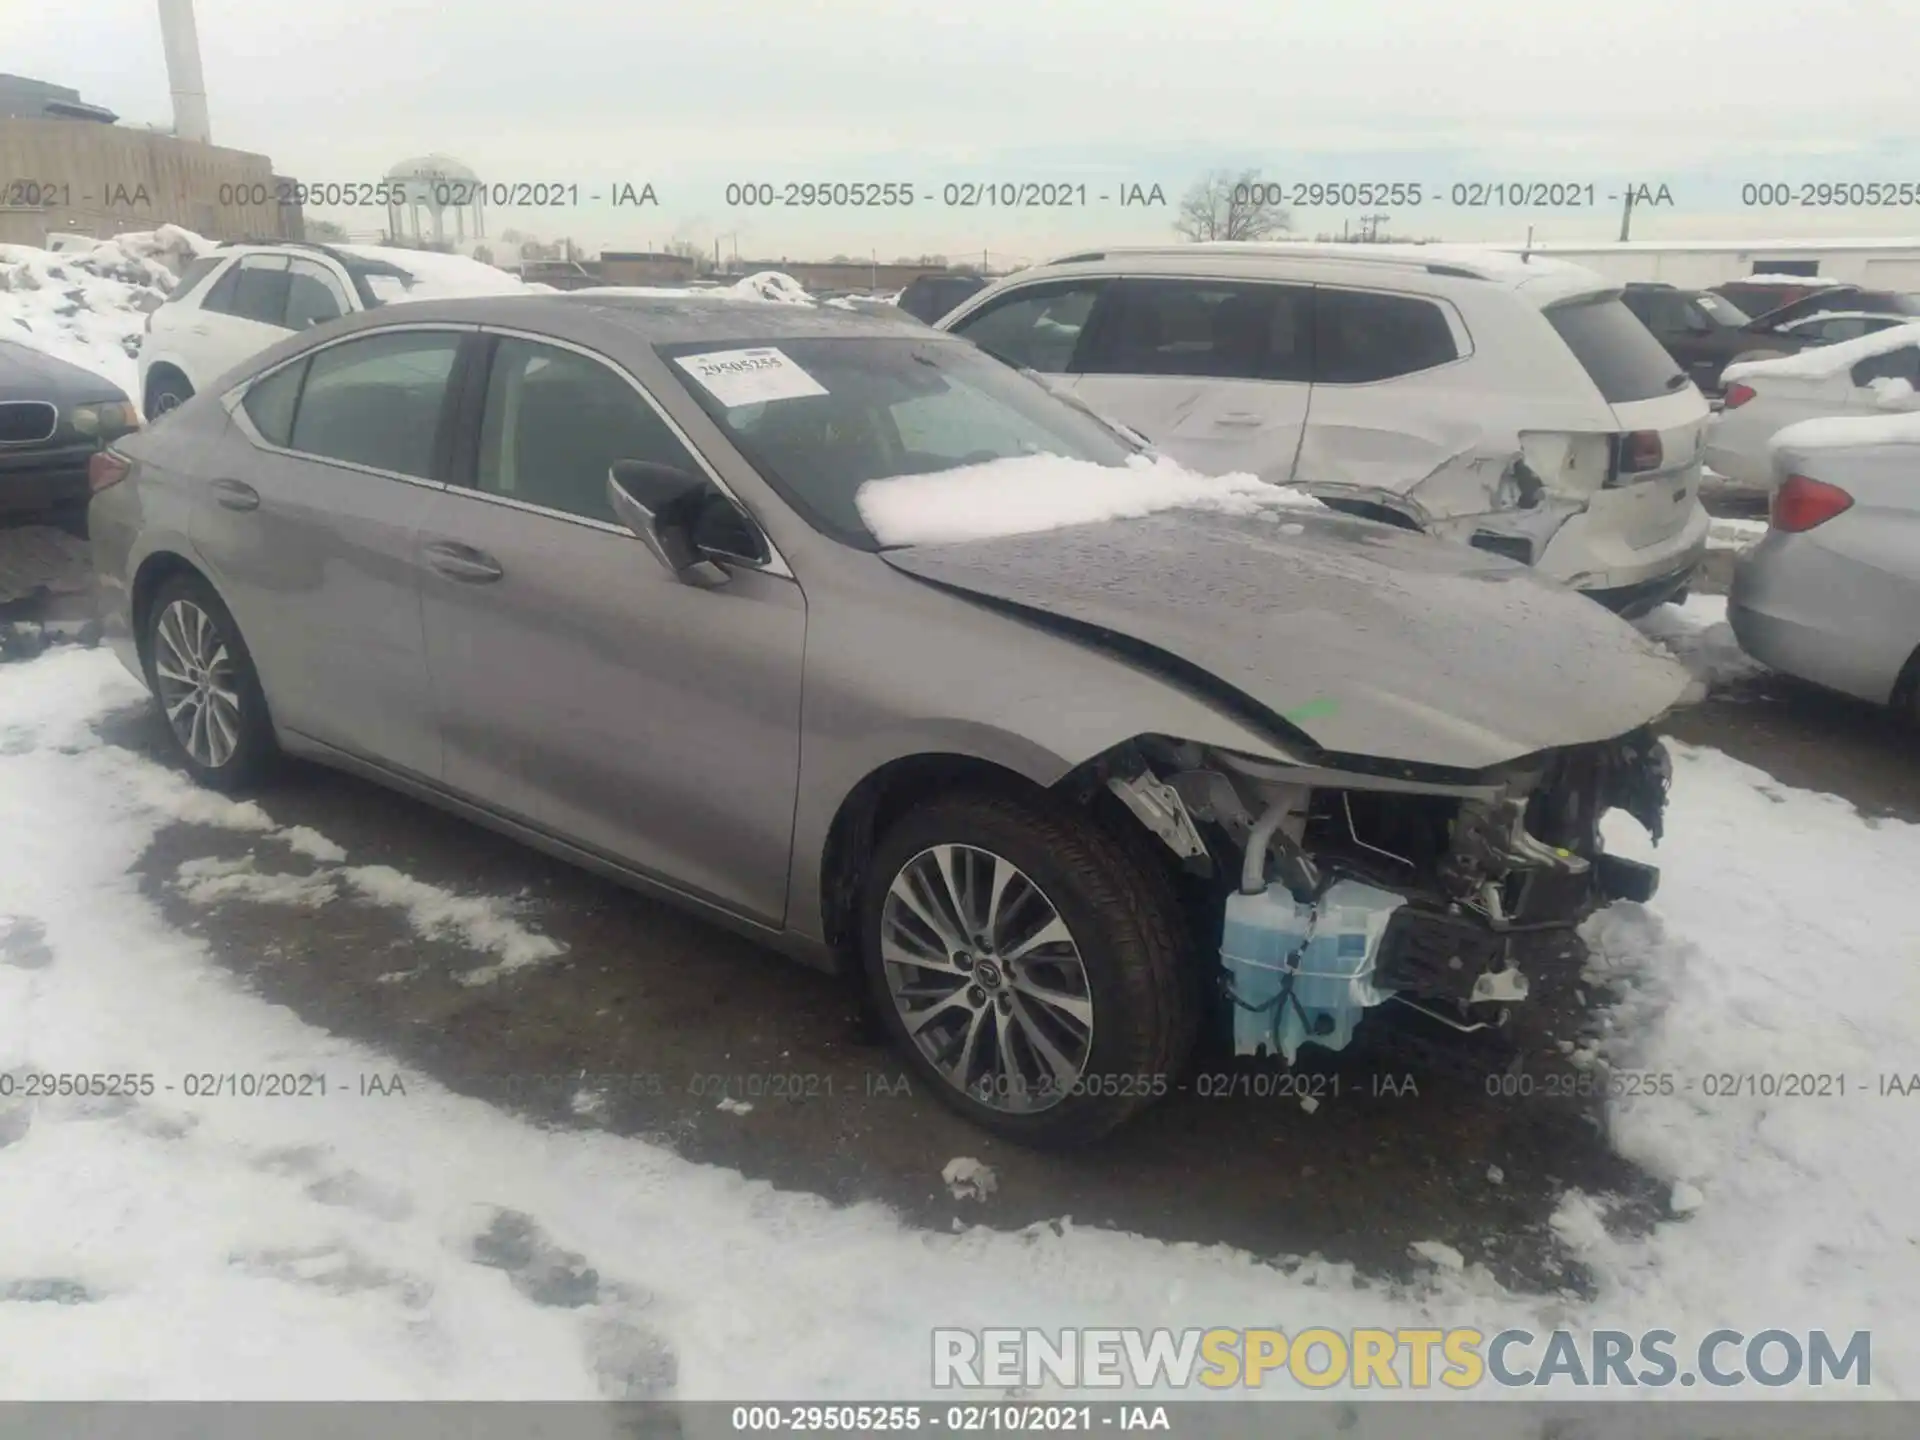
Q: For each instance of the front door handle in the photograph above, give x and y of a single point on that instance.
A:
(197, 330)
(234, 495)
(1240, 417)
(462, 562)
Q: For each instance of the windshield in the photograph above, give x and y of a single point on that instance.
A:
(821, 417)
(1721, 310)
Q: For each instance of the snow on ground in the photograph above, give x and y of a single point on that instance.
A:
(1030, 493)
(1781, 943)
(1697, 632)
(429, 1246)
(1735, 534)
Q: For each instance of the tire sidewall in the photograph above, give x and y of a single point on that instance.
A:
(1123, 1070)
(180, 389)
(255, 748)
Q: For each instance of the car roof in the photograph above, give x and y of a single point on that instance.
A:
(1541, 279)
(657, 319)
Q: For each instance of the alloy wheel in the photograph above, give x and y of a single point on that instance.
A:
(987, 979)
(194, 670)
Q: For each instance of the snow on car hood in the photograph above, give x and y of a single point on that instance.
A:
(1370, 640)
(1044, 492)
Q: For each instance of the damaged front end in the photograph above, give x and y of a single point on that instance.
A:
(1340, 889)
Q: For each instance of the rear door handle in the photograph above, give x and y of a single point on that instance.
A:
(234, 495)
(197, 330)
(1240, 417)
(462, 562)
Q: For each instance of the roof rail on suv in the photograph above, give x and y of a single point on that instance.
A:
(1291, 249)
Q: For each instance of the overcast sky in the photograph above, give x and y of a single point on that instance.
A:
(1702, 96)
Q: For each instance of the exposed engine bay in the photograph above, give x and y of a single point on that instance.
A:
(1341, 889)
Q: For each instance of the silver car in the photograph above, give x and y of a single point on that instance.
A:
(1832, 593)
(592, 570)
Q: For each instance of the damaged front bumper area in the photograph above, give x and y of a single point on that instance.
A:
(1342, 889)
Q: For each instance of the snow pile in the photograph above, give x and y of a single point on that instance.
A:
(771, 285)
(1697, 632)
(1823, 361)
(1031, 493)
(87, 303)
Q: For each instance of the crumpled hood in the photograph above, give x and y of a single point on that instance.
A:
(1371, 640)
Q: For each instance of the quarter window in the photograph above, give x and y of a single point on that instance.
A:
(270, 403)
(554, 423)
(1038, 328)
(377, 400)
(1361, 335)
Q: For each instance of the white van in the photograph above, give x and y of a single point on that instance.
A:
(1512, 404)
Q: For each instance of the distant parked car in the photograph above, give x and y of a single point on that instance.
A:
(1841, 300)
(54, 417)
(1758, 294)
(1513, 405)
(1874, 375)
(928, 297)
(1832, 594)
(1705, 332)
(231, 305)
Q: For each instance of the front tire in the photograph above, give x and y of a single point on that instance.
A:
(1030, 967)
(167, 391)
(206, 689)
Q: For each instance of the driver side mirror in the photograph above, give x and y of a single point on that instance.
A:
(685, 522)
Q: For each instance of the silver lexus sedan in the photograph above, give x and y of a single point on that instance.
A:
(599, 571)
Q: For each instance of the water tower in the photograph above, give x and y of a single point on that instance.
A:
(437, 202)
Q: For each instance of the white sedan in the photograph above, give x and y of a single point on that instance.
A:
(1877, 374)
(1832, 594)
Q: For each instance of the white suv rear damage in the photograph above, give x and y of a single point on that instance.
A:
(1512, 404)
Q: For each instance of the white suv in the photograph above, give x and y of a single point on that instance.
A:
(241, 299)
(1513, 404)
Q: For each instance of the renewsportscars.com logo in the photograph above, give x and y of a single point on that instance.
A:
(1369, 1359)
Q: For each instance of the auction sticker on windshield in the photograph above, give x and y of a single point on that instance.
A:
(750, 377)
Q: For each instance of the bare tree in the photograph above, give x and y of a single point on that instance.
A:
(1230, 206)
(325, 232)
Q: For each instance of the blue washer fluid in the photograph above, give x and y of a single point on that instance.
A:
(1332, 976)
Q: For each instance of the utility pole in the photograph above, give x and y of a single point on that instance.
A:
(1626, 215)
(1373, 226)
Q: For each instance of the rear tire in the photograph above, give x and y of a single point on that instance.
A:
(205, 687)
(1048, 1044)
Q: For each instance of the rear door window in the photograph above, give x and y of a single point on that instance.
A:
(1901, 364)
(261, 294)
(1618, 353)
(1038, 326)
(1362, 335)
(1222, 329)
(313, 296)
(376, 400)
